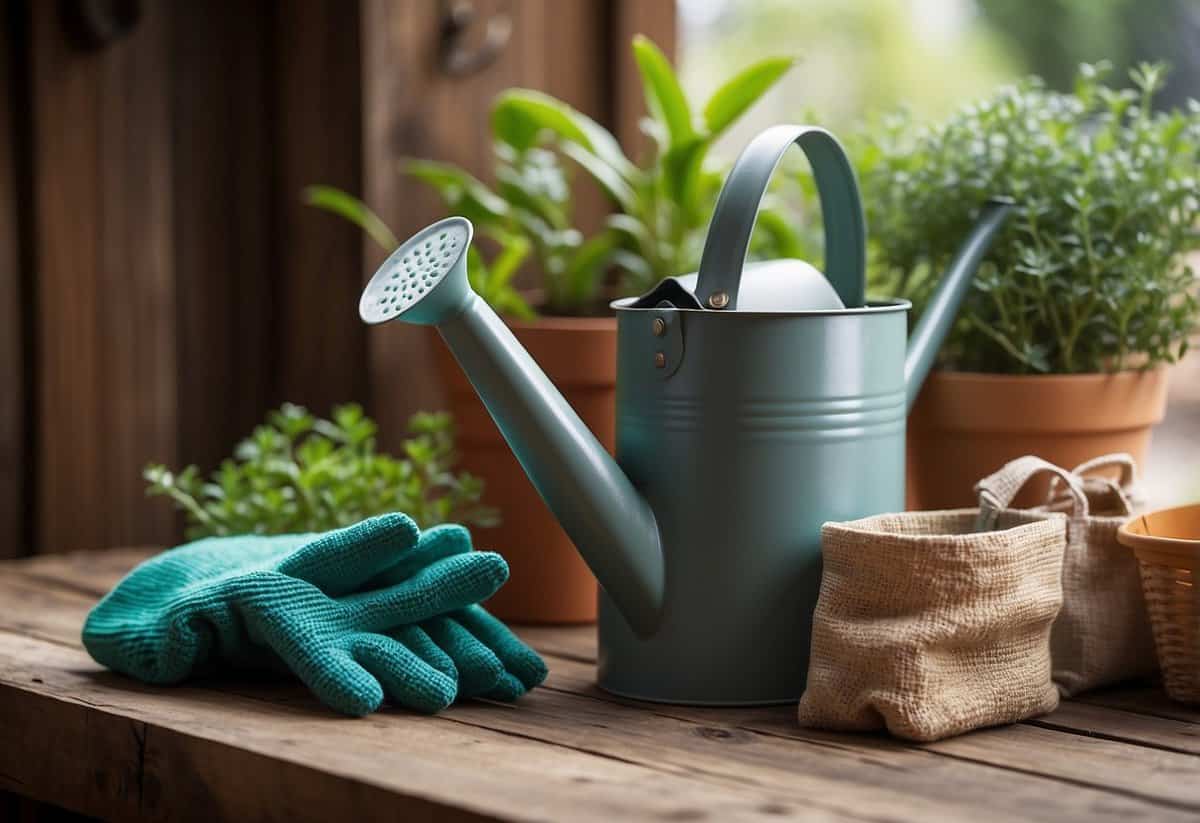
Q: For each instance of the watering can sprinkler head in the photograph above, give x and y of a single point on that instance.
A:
(424, 281)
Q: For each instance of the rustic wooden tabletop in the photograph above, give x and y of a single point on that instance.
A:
(78, 737)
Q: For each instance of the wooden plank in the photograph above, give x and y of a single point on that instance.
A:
(224, 272)
(1148, 700)
(35, 610)
(1053, 747)
(78, 579)
(105, 296)
(317, 139)
(13, 386)
(769, 747)
(414, 109)
(1077, 743)
(796, 775)
(91, 573)
(195, 754)
(1106, 764)
(889, 777)
(1177, 735)
(658, 20)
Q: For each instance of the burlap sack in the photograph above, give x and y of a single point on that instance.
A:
(1102, 635)
(930, 628)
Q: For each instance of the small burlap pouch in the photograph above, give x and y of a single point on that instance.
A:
(929, 627)
(1102, 635)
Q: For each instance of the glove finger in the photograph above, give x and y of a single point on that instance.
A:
(518, 659)
(506, 690)
(479, 671)
(342, 560)
(338, 681)
(435, 544)
(419, 643)
(449, 584)
(407, 680)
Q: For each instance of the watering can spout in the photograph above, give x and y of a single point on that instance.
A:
(942, 311)
(425, 282)
(609, 521)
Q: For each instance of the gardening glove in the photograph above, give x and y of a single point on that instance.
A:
(229, 599)
(488, 659)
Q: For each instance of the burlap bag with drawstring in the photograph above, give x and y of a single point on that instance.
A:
(1102, 636)
(929, 627)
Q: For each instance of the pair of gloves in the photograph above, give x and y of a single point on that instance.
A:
(374, 610)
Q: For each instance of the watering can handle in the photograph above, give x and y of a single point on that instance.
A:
(737, 210)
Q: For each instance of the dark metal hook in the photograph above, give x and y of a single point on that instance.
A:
(457, 57)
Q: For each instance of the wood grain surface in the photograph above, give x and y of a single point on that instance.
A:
(76, 736)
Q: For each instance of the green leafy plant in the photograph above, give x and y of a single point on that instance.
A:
(1090, 274)
(299, 473)
(661, 207)
(492, 282)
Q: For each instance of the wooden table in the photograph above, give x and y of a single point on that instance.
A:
(76, 736)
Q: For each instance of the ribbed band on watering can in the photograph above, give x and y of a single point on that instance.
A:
(737, 210)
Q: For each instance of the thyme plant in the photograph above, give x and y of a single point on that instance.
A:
(1091, 273)
(299, 473)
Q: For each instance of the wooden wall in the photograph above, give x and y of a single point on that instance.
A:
(161, 283)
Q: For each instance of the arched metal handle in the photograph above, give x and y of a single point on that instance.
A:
(737, 210)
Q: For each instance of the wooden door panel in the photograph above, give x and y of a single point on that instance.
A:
(175, 287)
(105, 352)
(13, 453)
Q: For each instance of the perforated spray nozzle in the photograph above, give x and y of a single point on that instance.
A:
(424, 280)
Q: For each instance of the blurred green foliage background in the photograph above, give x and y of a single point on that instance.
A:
(860, 57)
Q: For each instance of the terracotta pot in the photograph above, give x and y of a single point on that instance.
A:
(964, 426)
(549, 583)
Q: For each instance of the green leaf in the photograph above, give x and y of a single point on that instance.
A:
(519, 116)
(681, 172)
(609, 178)
(729, 102)
(785, 241)
(461, 191)
(512, 255)
(477, 270)
(512, 304)
(664, 96)
(585, 272)
(332, 482)
(356, 211)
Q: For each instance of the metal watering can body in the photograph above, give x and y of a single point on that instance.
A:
(741, 429)
(769, 426)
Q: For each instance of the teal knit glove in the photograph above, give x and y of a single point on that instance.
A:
(490, 660)
(232, 599)
(487, 659)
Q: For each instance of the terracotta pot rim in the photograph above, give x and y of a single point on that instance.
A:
(563, 323)
(1070, 405)
(1084, 377)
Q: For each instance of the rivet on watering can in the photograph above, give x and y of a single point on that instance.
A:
(718, 299)
(660, 360)
(659, 327)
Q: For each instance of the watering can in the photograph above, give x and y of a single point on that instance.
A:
(754, 403)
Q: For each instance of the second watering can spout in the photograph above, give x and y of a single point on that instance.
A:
(425, 282)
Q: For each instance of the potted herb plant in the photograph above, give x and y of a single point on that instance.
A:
(299, 473)
(660, 208)
(1062, 345)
